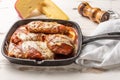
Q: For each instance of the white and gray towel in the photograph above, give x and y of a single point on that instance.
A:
(102, 53)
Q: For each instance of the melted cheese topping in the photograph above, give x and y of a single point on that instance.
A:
(34, 24)
(59, 39)
(33, 40)
(29, 36)
(13, 50)
(43, 25)
(39, 46)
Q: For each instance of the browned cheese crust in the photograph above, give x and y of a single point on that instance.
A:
(42, 40)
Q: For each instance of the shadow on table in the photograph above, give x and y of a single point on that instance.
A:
(73, 68)
(54, 69)
(69, 69)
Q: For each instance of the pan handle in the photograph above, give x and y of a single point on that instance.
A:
(87, 39)
(112, 35)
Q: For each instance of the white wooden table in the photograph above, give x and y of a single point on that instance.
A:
(10, 71)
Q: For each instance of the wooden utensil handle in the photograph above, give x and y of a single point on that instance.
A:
(95, 14)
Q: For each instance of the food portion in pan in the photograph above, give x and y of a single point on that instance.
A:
(43, 41)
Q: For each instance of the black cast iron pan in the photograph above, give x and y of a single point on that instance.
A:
(59, 62)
